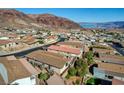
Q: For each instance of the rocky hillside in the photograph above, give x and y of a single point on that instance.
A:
(55, 21)
(14, 18)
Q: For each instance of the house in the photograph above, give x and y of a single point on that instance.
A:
(7, 44)
(16, 72)
(9, 36)
(30, 40)
(50, 39)
(114, 59)
(12, 36)
(103, 51)
(108, 71)
(65, 50)
(71, 38)
(53, 62)
(74, 44)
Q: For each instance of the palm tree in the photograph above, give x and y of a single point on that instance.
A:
(89, 56)
(43, 76)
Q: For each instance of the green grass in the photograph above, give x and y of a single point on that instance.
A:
(91, 81)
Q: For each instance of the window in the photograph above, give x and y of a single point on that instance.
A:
(109, 77)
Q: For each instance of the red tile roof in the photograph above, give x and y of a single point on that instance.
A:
(3, 42)
(76, 44)
(65, 49)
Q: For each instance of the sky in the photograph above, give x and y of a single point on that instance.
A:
(81, 14)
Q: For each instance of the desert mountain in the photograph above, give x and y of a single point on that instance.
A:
(55, 21)
(14, 18)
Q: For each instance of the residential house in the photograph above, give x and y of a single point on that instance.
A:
(29, 40)
(103, 51)
(9, 36)
(114, 59)
(50, 39)
(12, 36)
(65, 50)
(16, 72)
(108, 71)
(7, 44)
(74, 44)
(53, 62)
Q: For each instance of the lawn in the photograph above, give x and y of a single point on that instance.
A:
(93, 81)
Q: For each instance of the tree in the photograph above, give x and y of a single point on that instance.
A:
(89, 56)
(40, 41)
(83, 71)
(72, 71)
(78, 64)
(81, 67)
(43, 76)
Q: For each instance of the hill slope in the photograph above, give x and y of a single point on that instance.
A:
(55, 21)
(14, 18)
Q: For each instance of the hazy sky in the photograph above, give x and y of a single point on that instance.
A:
(81, 14)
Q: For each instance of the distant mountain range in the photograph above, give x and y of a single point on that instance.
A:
(14, 18)
(17, 19)
(105, 25)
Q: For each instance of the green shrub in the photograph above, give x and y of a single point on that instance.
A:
(72, 71)
(67, 76)
(40, 42)
(43, 76)
(91, 81)
(78, 64)
(89, 56)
